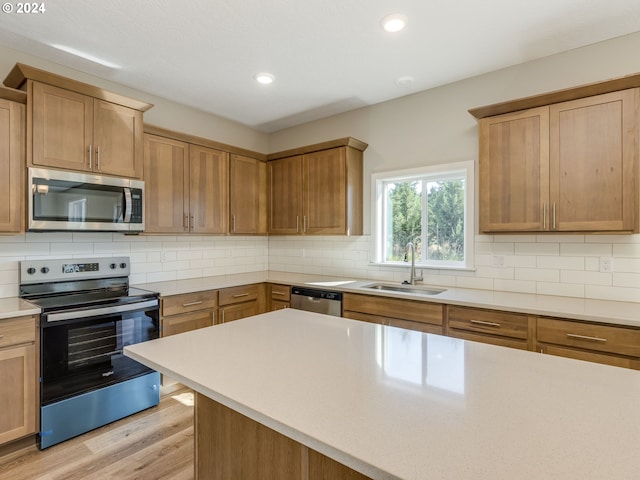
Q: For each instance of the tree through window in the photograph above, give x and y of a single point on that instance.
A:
(431, 208)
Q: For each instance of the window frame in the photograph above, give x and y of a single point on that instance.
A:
(430, 172)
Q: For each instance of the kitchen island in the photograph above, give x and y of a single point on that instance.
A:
(395, 404)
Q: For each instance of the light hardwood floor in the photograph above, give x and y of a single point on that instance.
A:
(151, 445)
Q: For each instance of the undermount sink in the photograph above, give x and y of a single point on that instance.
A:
(412, 289)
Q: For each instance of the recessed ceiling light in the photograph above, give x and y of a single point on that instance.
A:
(404, 81)
(394, 22)
(264, 78)
(86, 56)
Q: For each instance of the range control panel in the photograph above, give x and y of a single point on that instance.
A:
(52, 270)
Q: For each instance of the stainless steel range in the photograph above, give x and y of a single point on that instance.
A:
(89, 314)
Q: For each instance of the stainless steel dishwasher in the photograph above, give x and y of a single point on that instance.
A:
(315, 300)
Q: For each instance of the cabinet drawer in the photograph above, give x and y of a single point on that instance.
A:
(188, 302)
(281, 293)
(245, 293)
(15, 331)
(490, 339)
(589, 336)
(236, 312)
(605, 358)
(491, 322)
(186, 322)
(394, 322)
(416, 311)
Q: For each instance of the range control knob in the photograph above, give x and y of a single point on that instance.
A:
(31, 270)
(112, 266)
(44, 270)
(123, 265)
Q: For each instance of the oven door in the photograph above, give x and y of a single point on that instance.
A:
(82, 355)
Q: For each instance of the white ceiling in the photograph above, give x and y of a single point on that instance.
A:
(328, 56)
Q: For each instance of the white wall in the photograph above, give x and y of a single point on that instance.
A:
(433, 127)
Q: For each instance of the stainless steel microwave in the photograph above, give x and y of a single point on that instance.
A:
(62, 200)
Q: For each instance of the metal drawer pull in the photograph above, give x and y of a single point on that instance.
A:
(278, 293)
(486, 324)
(239, 295)
(1, 337)
(192, 303)
(584, 337)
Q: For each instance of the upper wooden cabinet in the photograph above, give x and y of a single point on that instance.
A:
(75, 126)
(247, 196)
(12, 152)
(186, 187)
(317, 191)
(570, 166)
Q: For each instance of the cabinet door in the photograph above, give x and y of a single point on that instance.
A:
(117, 140)
(238, 311)
(17, 395)
(166, 201)
(247, 195)
(593, 158)
(208, 190)
(12, 116)
(325, 192)
(285, 191)
(62, 128)
(514, 172)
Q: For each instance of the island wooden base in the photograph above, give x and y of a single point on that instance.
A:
(230, 445)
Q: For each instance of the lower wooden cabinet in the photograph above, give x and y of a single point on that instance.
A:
(240, 302)
(506, 329)
(18, 378)
(279, 296)
(189, 311)
(609, 344)
(231, 445)
(412, 314)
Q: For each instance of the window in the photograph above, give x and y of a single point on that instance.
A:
(431, 207)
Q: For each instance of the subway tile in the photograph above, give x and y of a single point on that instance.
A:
(519, 286)
(537, 249)
(586, 249)
(631, 250)
(563, 263)
(619, 294)
(537, 274)
(631, 280)
(585, 277)
(560, 289)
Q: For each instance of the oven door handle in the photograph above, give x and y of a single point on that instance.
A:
(77, 314)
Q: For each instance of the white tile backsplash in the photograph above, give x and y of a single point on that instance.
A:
(564, 265)
(153, 257)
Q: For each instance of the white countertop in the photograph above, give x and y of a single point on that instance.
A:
(400, 404)
(16, 307)
(622, 313)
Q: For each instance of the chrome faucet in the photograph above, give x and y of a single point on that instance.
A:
(412, 275)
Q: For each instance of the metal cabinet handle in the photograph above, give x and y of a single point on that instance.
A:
(273, 292)
(190, 304)
(240, 295)
(486, 324)
(554, 215)
(90, 157)
(98, 158)
(304, 224)
(233, 218)
(222, 319)
(297, 223)
(544, 216)
(185, 222)
(1, 337)
(575, 336)
(192, 223)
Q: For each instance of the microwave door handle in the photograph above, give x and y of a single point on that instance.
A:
(128, 205)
